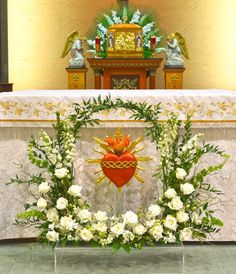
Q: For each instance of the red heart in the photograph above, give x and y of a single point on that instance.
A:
(119, 176)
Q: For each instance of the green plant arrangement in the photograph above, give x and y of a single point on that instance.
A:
(60, 210)
(128, 15)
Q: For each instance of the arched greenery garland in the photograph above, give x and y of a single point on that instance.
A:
(61, 212)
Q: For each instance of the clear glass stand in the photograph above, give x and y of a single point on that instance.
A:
(149, 260)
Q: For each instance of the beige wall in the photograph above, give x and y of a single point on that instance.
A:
(37, 31)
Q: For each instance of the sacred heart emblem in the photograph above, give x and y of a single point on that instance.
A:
(119, 169)
(119, 163)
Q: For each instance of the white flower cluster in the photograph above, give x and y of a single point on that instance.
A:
(192, 143)
(136, 17)
(115, 18)
(109, 20)
(147, 28)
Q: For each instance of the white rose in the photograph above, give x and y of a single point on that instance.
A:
(67, 223)
(175, 203)
(52, 236)
(170, 193)
(85, 215)
(156, 231)
(180, 173)
(154, 210)
(196, 218)
(41, 203)
(139, 229)
(170, 222)
(52, 215)
(186, 234)
(61, 172)
(150, 223)
(101, 227)
(51, 226)
(130, 218)
(44, 187)
(101, 216)
(86, 235)
(118, 229)
(182, 216)
(170, 238)
(75, 190)
(187, 188)
(62, 203)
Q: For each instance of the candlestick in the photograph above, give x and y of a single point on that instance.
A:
(98, 45)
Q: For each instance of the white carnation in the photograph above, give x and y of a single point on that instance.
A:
(41, 203)
(186, 234)
(139, 229)
(175, 203)
(182, 216)
(85, 215)
(86, 235)
(170, 193)
(52, 215)
(118, 229)
(62, 203)
(187, 188)
(44, 187)
(170, 222)
(180, 173)
(101, 216)
(130, 218)
(75, 190)
(154, 210)
(52, 236)
(61, 172)
(67, 223)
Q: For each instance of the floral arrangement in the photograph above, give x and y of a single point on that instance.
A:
(126, 15)
(60, 210)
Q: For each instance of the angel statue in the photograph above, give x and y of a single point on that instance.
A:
(75, 46)
(176, 47)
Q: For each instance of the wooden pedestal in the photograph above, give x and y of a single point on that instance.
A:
(121, 73)
(76, 78)
(4, 87)
(174, 78)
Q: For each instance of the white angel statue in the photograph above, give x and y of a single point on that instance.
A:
(74, 45)
(176, 47)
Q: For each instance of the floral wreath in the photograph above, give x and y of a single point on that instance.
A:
(127, 15)
(60, 210)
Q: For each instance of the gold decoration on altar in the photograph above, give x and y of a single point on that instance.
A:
(119, 163)
(124, 83)
(125, 41)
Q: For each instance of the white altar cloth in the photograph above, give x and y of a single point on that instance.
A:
(28, 108)
(23, 114)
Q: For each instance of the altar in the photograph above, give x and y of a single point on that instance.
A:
(23, 114)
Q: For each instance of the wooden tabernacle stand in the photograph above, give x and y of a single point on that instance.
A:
(121, 73)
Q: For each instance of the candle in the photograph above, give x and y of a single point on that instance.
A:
(153, 42)
(98, 44)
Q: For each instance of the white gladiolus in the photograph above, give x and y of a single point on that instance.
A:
(85, 215)
(130, 218)
(180, 173)
(52, 236)
(136, 17)
(62, 203)
(86, 235)
(116, 18)
(170, 222)
(154, 210)
(139, 229)
(175, 203)
(187, 188)
(52, 215)
(67, 223)
(101, 216)
(186, 234)
(170, 193)
(118, 229)
(75, 190)
(44, 187)
(41, 203)
(182, 216)
(61, 172)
